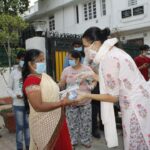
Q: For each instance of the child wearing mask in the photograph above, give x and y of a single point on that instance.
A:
(77, 46)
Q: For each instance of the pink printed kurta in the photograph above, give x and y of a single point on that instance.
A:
(119, 76)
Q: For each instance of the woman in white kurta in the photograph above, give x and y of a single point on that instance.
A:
(121, 80)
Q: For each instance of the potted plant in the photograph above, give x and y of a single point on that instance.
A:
(9, 119)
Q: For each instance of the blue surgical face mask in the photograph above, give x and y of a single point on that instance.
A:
(72, 63)
(40, 68)
(21, 63)
(78, 49)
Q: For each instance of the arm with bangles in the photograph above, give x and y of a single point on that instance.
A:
(35, 100)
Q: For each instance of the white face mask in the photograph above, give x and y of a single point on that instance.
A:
(21, 63)
(90, 53)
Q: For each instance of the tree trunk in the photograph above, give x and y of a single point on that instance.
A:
(9, 55)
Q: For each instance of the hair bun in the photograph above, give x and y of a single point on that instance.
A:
(106, 31)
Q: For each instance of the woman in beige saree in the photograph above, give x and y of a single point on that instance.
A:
(48, 129)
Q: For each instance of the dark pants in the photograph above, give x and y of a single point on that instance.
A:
(96, 115)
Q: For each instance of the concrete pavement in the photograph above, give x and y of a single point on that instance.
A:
(7, 141)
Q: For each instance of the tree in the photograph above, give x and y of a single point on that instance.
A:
(13, 6)
(10, 29)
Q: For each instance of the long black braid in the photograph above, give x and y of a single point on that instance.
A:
(30, 56)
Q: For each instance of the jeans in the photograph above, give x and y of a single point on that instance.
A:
(22, 127)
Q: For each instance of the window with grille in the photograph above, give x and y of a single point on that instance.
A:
(132, 2)
(51, 23)
(89, 10)
(77, 14)
(103, 7)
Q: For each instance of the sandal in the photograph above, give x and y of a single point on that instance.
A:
(87, 145)
(74, 146)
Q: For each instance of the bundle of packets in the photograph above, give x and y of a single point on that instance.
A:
(85, 76)
(70, 92)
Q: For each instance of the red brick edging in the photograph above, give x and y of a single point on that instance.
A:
(6, 100)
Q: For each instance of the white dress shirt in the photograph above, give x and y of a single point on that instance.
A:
(15, 86)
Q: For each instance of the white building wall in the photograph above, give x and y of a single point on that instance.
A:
(100, 21)
(144, 35)
(49, 5)
(59, 21)
(36, 43)
(41, 24)
(133, 22)
(65, 17)
(147, 38)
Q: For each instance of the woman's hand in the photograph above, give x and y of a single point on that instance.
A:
(66, 102)
(81, 96)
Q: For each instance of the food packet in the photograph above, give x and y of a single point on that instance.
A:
(70, 92)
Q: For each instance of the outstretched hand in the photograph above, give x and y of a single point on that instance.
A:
(81, 96)
(66, 102)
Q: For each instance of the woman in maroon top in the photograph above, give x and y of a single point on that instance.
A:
(143, 62)
(48, 126)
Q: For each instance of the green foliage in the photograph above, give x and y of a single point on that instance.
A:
(10, 30)
(13, 7)
(3, 58)
(131, 49)
(14, 53)
(10, 27)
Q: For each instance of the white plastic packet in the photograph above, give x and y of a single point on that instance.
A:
(70, 92)
(86, 75)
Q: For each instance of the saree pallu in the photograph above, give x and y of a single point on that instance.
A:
(46, 127)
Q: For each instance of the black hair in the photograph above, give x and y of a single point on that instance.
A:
(144, 47)
(75, 54)
(96, 34)
(21, 54)
(78, 42)
(31, 55)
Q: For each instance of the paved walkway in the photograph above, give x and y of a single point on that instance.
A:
(7, 141)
